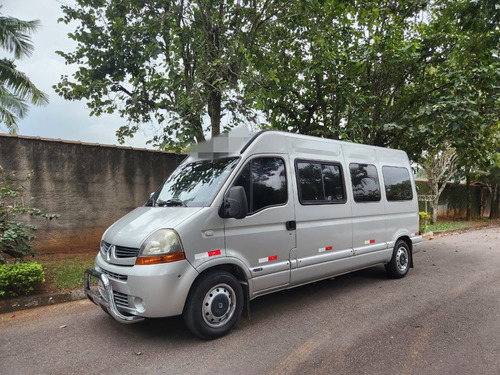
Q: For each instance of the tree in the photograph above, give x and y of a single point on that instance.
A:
(173, 62)
(16, 89)
(462, 109)
(492, 181)
(400, 73)
(487, 171)
(439, 167)
(345, 70)
(404, 74)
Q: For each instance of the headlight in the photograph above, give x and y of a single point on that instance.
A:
(162, 246)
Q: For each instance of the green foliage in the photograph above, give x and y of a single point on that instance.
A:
(405, 74)
(16, 237)
(408, 74)
(424, 221)
(346, 70)
(462, 84)
(424, 216)
(20, 278)
(172, 63)
(16, 89)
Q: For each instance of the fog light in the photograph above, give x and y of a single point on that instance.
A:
(139, 305)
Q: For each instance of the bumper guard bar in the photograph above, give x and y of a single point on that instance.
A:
(107, 302)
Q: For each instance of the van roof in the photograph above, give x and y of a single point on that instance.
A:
(239, 140)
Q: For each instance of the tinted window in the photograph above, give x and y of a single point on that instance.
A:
(320, 182)
(397, 184)
(264, 181)
(365, 184)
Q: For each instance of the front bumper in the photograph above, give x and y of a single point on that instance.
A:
(141, 291)
(105, 298)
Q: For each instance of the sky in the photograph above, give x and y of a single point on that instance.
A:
(60, 119)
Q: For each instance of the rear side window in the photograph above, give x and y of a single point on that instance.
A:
(320, 182)
(264, 181)
(397, 184)
(365, 183)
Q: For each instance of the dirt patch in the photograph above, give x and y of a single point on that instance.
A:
(82, 241)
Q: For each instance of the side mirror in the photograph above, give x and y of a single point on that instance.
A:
(235, 203)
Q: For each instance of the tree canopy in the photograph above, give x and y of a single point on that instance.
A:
(16, 89)
(404, 74)
(174, 62)
(409, 74)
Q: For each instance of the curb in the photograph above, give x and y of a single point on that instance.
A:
(24, 303)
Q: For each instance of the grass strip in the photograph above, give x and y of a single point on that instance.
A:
(65, 273)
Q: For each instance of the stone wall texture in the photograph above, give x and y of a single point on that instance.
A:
(89, 185)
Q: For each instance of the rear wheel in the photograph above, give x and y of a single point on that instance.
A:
(214, 305)
(399, 265)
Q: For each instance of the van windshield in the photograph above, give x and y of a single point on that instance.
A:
(194, 184)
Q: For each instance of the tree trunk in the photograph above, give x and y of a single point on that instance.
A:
(439, 168)
(469, 200)
(495, 203)
(436, 193)
(214, 110)
(434, 204)
(197, 126)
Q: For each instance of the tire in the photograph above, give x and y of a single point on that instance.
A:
(399, 265)
(214, 305)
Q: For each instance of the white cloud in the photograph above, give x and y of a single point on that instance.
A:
(60, 119)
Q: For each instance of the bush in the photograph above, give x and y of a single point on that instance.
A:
(424, 221)
(16, 236)
(20, 278)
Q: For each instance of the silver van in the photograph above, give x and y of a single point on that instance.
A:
(251, 214)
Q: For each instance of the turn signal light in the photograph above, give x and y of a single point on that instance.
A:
(167, 258)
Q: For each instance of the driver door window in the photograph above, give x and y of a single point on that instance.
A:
(264, 181)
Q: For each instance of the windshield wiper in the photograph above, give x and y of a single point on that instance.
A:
(171, 203)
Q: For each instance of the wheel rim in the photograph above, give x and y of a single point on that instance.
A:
(402, 259)
(219, 305)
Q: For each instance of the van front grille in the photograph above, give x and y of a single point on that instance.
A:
(120, 251)
(114, 275)
(121, 300)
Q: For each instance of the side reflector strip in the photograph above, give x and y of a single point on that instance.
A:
(207, 254)
(323, 249)
(367, 242)
(268, 259)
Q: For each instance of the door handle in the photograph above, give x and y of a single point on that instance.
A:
(291, 225)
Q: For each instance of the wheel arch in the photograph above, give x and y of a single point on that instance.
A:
(231, 268)
(407, 239)
(235, 268)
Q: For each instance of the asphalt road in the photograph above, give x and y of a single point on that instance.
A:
(443, 318)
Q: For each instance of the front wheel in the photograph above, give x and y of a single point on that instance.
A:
(214, 305)
(399, 265)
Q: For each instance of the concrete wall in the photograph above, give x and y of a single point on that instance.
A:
(89, 185)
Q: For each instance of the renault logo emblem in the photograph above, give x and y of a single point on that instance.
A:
(111, 251)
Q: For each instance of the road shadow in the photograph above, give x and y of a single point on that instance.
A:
(174, 331)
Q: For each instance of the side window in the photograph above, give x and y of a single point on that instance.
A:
(365, 184)
(397, 184)
(319, 182)
(264, 181)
